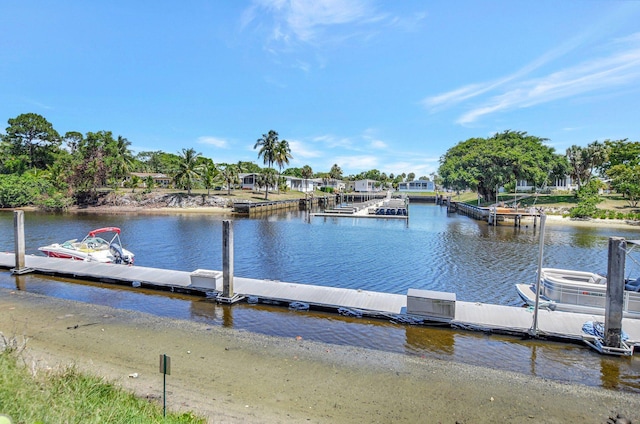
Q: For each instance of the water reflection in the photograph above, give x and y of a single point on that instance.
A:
(557, 361)
(435, 251)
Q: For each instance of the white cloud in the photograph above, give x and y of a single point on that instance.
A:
(331, 141)
(213, 141)
(357, 163)
(309, 21)
(298, 149)
(378, 144)
(617, 70)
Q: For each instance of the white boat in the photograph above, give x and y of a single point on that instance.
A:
(92, 248)
(578, 291)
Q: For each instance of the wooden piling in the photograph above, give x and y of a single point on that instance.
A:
(615, 292)
(227, 259)
(18, 230)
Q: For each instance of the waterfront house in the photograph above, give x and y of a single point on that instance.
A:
(336, 185)
(417, 185)
(249, 182)
(559, 184)
(367, 185)
(159, 180)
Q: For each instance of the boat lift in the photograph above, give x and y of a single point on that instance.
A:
(606, 338)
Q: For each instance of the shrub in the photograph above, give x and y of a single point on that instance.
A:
(56, 202)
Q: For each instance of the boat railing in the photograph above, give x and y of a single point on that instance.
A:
(595, 295)
(573, 277)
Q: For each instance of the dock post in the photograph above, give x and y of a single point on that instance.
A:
(18, 230)
(227, 296)
(534, 326)
(615, 292)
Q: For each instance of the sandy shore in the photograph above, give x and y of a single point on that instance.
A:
(233, 376)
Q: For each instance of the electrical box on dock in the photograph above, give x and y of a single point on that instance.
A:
(207, 279)
(431, 304)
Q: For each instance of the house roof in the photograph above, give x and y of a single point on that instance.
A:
(156, 175)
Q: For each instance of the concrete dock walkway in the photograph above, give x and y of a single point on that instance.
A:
(562, 326)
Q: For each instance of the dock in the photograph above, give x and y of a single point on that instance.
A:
(387, 208)
(473, 316)
(494, 214)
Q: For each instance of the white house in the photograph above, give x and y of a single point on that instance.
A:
(305, 185)
(249, 182)
(366, 185)
(417, 185)
(563, 184)
(159, 180)
(336, 185)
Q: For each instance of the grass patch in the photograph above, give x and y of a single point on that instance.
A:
(69, 396)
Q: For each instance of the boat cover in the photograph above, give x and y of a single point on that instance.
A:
(596, 329)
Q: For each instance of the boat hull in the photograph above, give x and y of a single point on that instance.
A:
(576, 291)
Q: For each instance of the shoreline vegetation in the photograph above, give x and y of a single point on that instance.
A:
(168, 202)
(232, 376)
(224, 375)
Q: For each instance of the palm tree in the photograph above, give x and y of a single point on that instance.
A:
(267, 179)
(268, 145)
(230, 176)
(307, 173)
(209, 175)
(119, 158)
(282, 155)
(188, 170)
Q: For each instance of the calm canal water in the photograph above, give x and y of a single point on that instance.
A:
(433, 251)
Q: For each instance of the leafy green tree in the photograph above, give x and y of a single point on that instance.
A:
(621, 152)
(588, 197)
(487, 164)
(158, 161)
(268, 144)
(249, 167)
(31, 136)
(623, 168)
(189, 172)
(90, 170)
(72, 139)
(625, 179)
(23, 190)
(293, 172)
(60, 172)
(411, 176)
(372, 174)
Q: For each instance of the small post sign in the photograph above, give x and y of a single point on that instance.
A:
(165, 369)
(165, 364)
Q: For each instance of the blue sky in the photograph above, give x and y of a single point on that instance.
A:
(389, 85)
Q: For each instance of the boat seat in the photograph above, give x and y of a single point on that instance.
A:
(633, 285)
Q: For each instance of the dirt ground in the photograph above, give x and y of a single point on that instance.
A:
(233, 376)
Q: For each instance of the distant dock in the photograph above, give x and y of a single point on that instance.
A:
(416, 307)
(376, 208)
(492, 214)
